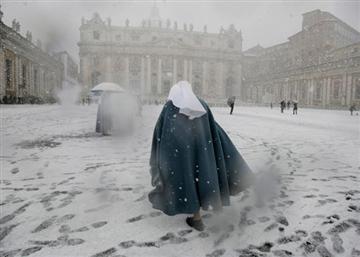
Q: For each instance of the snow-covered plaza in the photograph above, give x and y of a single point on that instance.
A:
(67, 191)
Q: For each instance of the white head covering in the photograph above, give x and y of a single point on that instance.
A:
(183, 97)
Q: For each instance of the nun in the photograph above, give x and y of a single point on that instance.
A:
(116, 112)
(104, 115)
(193, 163)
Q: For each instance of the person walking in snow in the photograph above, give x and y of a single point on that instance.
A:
(282, 106)
(231, 103)
(352, 109)
(295, 107)
(288, 104)
(193, 163)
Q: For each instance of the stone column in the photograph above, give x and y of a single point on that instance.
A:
(43, 82)
(30, 79)
(205, 86)
(174, 71)
(296, 93)
(142, 77)
(127, 75)
(311, 91)
(220, 85)
(343, 90)
(240, 90)
(17, 76)
(286, 90)
(190, 72)
(108, 74)
(159, 84)
(2, 72)
(328, 91)
(148, 75)
(85, 71)
(323, 91)
(348, 89)
(185, 75)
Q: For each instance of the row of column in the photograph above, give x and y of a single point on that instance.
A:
(345, 97)
(39, 86)
(146, 83)
(213, 78)
(146, 71)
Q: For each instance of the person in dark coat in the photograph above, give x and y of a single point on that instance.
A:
(282, 106)
(352, 109)
(288, 104)
(295, 107)
(231, 103)
(193, 163)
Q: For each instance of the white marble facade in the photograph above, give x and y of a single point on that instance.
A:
(148, 59)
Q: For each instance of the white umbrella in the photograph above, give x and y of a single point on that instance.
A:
(107, 86)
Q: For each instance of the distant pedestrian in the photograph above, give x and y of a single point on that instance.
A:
(271, 105)
(295, 107)
(288, 104)
(352, 109)
(282, 106)
(231, 103)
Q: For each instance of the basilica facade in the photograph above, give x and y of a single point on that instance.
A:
(149, 58)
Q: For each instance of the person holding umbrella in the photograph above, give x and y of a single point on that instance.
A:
(193, 163)
(116, 109)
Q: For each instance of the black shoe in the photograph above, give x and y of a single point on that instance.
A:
(197, 224)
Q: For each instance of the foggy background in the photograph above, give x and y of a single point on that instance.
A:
(266, 23)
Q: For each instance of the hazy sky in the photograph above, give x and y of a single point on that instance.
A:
(264, 22)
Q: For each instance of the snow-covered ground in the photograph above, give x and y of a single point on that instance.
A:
(66, 191)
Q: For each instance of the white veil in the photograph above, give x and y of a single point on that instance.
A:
(183, 97)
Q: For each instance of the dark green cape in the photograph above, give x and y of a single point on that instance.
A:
(193, 164)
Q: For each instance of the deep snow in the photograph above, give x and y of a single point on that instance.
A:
(66, 191)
